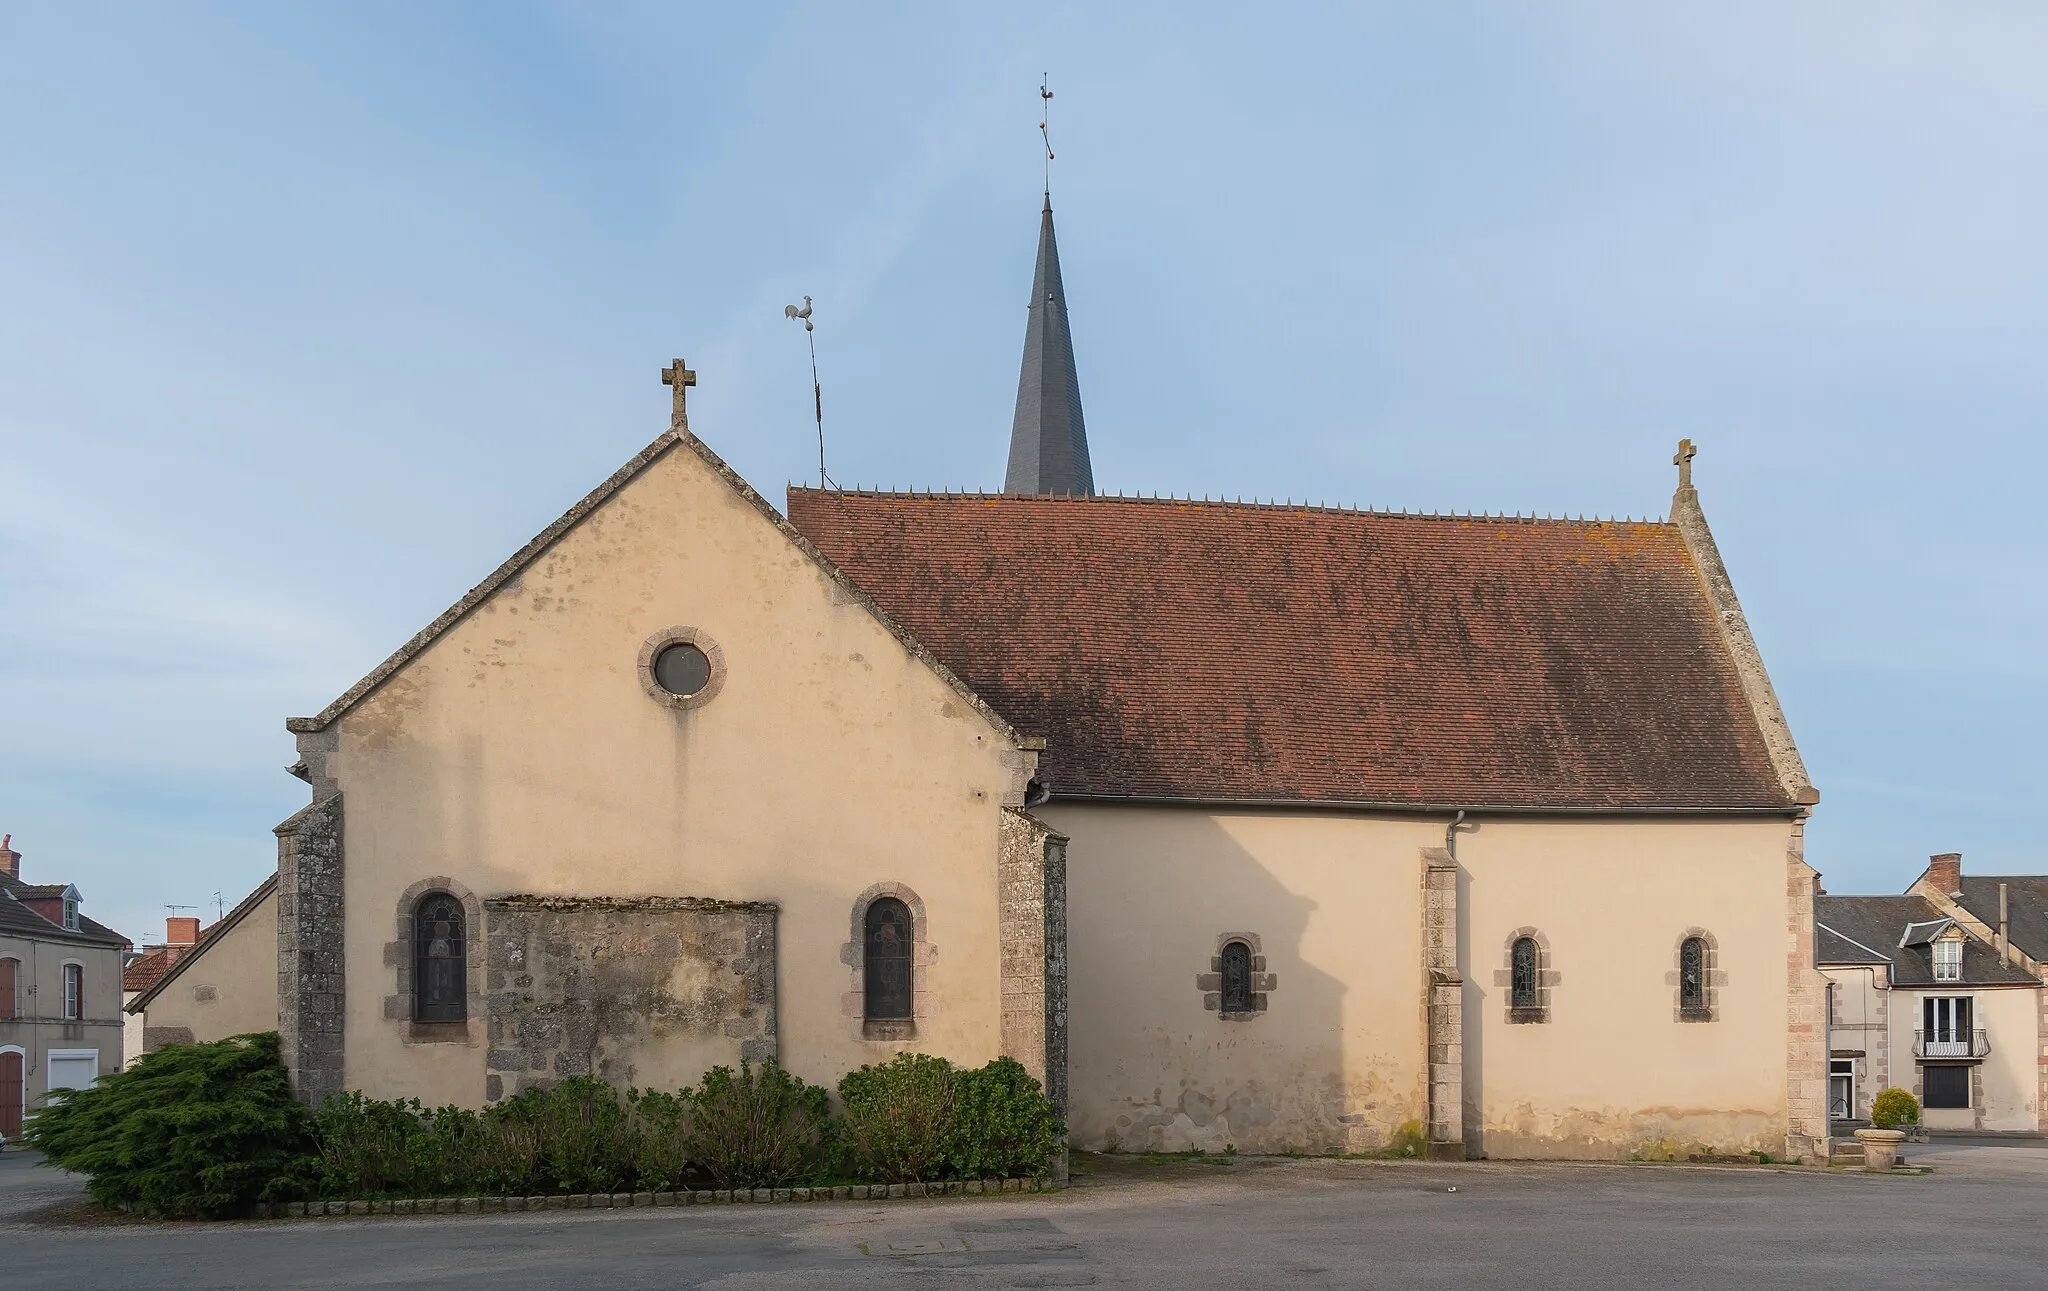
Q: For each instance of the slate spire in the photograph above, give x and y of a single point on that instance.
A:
(1048, 443)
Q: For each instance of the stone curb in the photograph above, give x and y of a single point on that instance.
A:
(626, 1200)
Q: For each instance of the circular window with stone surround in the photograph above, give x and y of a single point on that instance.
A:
(682, 667)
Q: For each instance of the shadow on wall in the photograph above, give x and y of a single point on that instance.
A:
(1316, 1066)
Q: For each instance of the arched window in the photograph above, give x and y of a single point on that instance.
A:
(1522, 992)
(1692, 976)
(74, 992)
(440, 960)
(1237, 977)
(886, 942)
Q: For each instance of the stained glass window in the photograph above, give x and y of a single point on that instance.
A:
(887, 959)
(1522, 991)
(440, 960)
(1237, 977)
(1692, 975)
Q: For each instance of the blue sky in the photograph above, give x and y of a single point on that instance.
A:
(309, 315)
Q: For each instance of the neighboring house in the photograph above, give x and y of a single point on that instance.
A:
(60, 992)
(225, 984)
(1918, 1000)
(2008, 911)
(1256, 826)
(181, 933)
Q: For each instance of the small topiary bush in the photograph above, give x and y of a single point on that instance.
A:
(899, 1118)
(1004, 1126)
(201, 1129)
(1894, 1109)
(759, 1127)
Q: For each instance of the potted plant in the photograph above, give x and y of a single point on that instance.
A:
(1890, 1112)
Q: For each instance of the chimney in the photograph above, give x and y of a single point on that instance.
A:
(2004, 929)
(182, 930)
(10, 860)
(1945, 873)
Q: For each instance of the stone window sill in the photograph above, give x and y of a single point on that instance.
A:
(1695, 1015)
(437, 1033)
(1525, 1015)
(888, 1029)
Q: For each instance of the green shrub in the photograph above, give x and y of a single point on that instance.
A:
(1004, 1127)
(756, 1128)
(899, 1118)
(661, 1149)
(1893, 1109)
(582, 1138)
(1408, 1140)
(202, 1129)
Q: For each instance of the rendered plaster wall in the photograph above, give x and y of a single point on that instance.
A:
(650, 993)
(2004, 1088)
(1337, 1061)
(1613, 1071)
(1860, 1031)
(520, 752)
(228, 990)
(39, 1024)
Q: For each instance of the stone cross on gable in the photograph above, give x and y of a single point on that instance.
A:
(1686, 452)
(679, 378)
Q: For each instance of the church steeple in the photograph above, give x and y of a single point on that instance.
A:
(1048, 443)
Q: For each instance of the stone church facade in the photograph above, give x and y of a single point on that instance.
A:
(1255, 826)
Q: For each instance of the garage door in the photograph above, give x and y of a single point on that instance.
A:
(73, 1068)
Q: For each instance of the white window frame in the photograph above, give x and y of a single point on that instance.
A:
(70, 914)
(1944, 1038)
(1842, 1069)
(1948, 960)
(73, 1004)
(51, 1057)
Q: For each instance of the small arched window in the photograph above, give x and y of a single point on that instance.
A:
(440, 960)
(885, 958)
(1522, 992)
(1237, 977)
(1692, 976)
(74, 992)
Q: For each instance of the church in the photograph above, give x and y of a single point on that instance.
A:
(1242, 825)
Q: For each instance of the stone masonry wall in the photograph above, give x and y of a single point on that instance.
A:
(310, 962)
(1806, 1017)
(1032, 896)
(651, 991)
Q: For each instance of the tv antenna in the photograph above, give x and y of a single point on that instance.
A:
(1044, 135)
(817, 391)
(175, 908)
(220, 907)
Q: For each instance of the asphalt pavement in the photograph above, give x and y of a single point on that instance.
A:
(1981, 1219)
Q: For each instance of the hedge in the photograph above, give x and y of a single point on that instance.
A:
(209, 1129)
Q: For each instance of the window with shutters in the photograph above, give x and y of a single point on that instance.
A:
(1946, 1086)
(10, 975)
(440, 959)
(886, 956)
(74, 992)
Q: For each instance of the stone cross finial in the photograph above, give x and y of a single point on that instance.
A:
(679, 378)
(1686, 452)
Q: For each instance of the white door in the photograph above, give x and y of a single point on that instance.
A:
(72, 1068)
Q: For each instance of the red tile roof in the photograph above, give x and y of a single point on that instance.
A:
(144, 970)
(1226, 651)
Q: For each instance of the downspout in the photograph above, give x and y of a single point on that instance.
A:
(1451, 835)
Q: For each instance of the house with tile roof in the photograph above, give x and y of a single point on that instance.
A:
(208, 985)
(60, 992)
(1255, 826)
(1922, 1000)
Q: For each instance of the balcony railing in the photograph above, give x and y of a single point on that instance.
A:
(1950, 1044)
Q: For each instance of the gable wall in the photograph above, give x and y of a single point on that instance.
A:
(519, 753)
(230, 989)
(1337, 1061)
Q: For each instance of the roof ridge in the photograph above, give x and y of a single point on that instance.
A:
(1255, 503)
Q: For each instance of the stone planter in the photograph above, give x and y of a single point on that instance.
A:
(1880, 1149)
